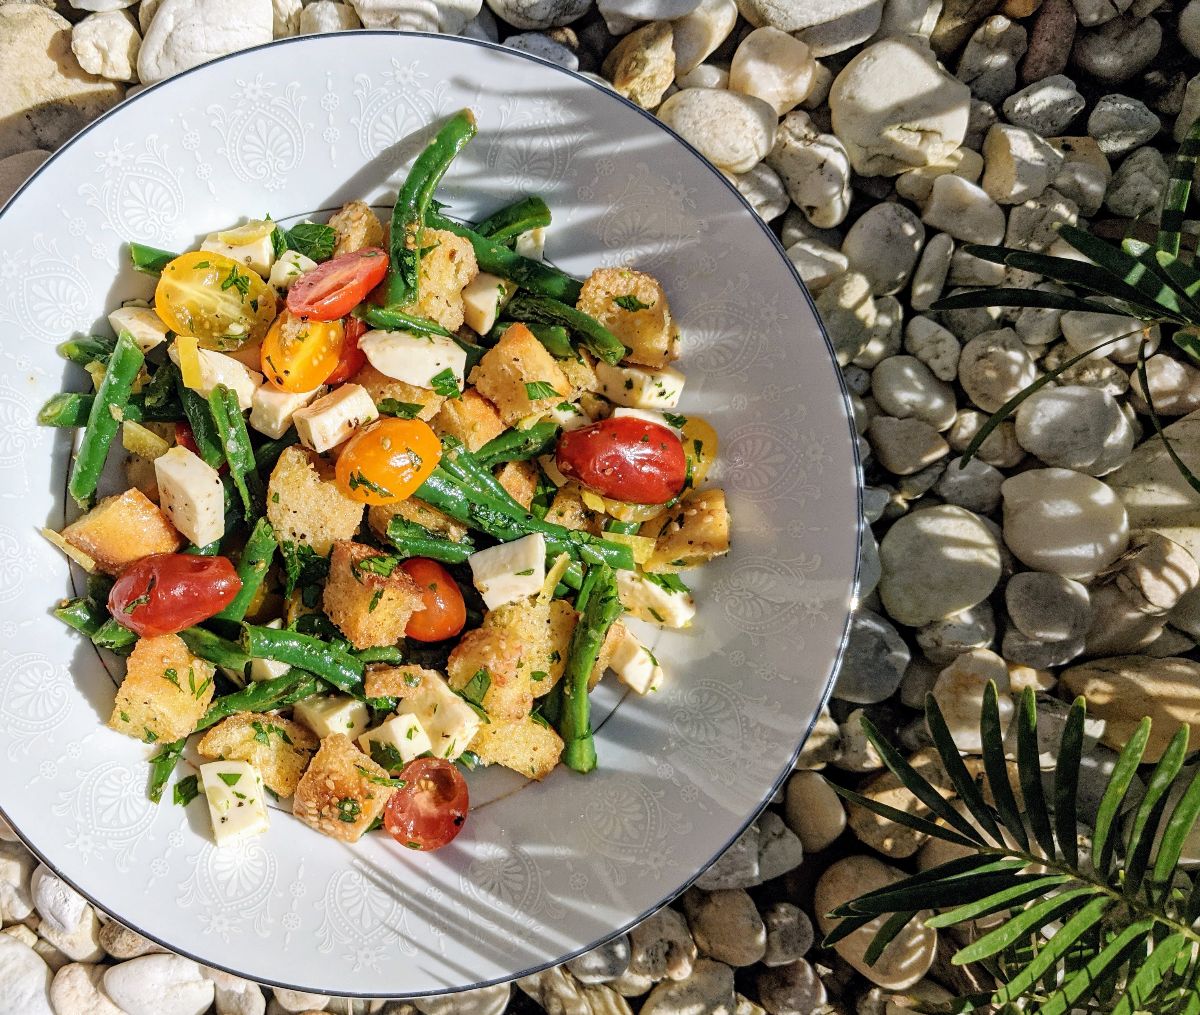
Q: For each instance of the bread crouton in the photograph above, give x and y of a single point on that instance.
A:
(342, 792)
(530, 625)
(528, 747)
(165, 692)
(355, 227)
(122, 529)
(694, 531)
(633, 306)
(556, 643)
(580, 372)
(520, 479)
(305, 505)
(568, 511)
(279, 748)
(380, 386)
(520, 376)
(395, 681)
(415, 510)
(471, 418)
(447, 265)
(370, 603)
(509, 696)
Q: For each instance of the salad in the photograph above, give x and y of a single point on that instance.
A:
(389, 492)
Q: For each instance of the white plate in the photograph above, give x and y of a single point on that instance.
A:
(541, 872)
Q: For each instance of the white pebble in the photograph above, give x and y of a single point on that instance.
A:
(327, 16)
(1084, 174)
(79, 944)
(773, 66)
(1188, 27)
(1046, 107)
(1097, 12)
(905, 446)
(538, 14)
(101, 5)
(814, 167)
(837, 34)
(916, 184)
(159, 985)
(1174, 385)
(285, 18)
(697, 34)
(846, 307)
(731, 130)
(1000, 447)
(1018, 165)
(885, 338)
(968, 270)
(706, 75)
(77, 990)
(1111, 336)
(763, 188)
(16, 868)
(963, 210)
(974, 486)
(1120, 123)
(884, 245)
(107, 44)
(184, 33)
(57, 903)
(300, 1000)
(905, 387)
(959, 693)
(24, 980)
(449, 16)
(993, 367)
(817, 263)
(1075, 428)
(929, 276)
(988, 65)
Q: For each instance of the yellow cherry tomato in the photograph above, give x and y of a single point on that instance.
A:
(386, 461)
(222, 304)
(299, 354)
(700, 447)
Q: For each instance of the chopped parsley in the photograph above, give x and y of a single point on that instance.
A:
(401, 410)
(263, 731)
(382, 565)
(375, 597)
(311, 240)
(186, 790)
(236, 280)
(380, 780)
(171, 676)
(202, 264)
(469, 760)
(675, 420)
(386, 755)
(630, 302)
(357, 479)
(197, 691)
(150, 736)
(303, 566)
(668, 582)
(445, 384)
(474, 690)
(540, 719)
(230, 778)
(524, 574)
(556, 656)
(141, 600)
(348, 809)
(655, 614)
(537, 676)
(540, 389)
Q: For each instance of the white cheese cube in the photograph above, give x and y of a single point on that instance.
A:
(236, 800)
(414, 359)
(217, 368)
(483, 299)
(639, 388)
(569, 416)
(333, 417)
(326, 714)
(649, 415)
(268, 669)
(448, 721)
(532, 243)
(146, 327)
(400, 739)
(190, 492)
(257, 255)
(290, 266)
(648, 599)
(550, 467)
(510, 571)
(271, 410)
(635, 665)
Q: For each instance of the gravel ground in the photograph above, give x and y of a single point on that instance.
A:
(877, 136)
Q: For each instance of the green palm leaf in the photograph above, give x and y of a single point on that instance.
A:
(1103, 845)
(1149, 257)
(1149, 813)
(1179, 187)
(1009, 898)
(1066, 782)
(1021, 925)
(1003, 296)
(1029, 771)
(959, 867)
(847, 925)
(958, 892)
(957, 772)
(1081, 984)
(1179, 826)
(887, 934)
(996, 768)
(1149, 976)
(1131, 272)
(903, 817)
(1178, 462)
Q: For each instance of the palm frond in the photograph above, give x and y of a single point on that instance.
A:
(1155, 295)
(1144, 828)
(1066, 782)
(1179, 188)
(1038, 299)
(995, 765)
(1029, 772)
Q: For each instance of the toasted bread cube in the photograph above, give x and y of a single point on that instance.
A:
(568, 511)
(279, 748)
(415, 510)
(526, 746)
(355, 227)
(122, 529)
(633, 306)
(379, 386)
(165, 692)
(471, 418)
(515, 371)
(342, 792)
(448, 265)
(509, 696)
(520, 479)
(370, 608)
(529, 623)
(694, 531)
(305, 505)
(396, 681)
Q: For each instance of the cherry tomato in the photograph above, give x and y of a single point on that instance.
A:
(336, 287)
(166, 592)
(186, 438)
(353, 358)
(445, 613)
(223, 304)
(385, 461)
(299, 355)
(626, 458)
(431, 807)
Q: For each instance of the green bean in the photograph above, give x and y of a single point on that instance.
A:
(149, 260)
(252, 569)
(389, 654)
(412, 203)
(304, 652)
(262, 696)
(269, 451)
(207, 550)
(161, 767)
(114, 637)
(496, 258)
(413, 540)
(215, 649)
(104, 417)
(93, 349)
(626, 528)
(81, 614)
(159, 393)
(554, 337)
(508, 223)
(387, 319)
(67, 409)
(98, 586)
(226, 414)
(517, 445)
(204, 431)
(545, 310)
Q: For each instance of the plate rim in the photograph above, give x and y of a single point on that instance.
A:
(859, 522)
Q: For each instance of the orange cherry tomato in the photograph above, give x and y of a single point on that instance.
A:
(336, 287)
(299, 355)
(445, 613)
(353, 358)
(385, 461)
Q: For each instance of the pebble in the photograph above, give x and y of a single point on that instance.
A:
(1109, 335)
(1034, 224)
(884, 245)
(642, 65)
(1119, 49)
(554, 990)
(959, 691)
(603, 964)
(1075, 428)
(857, 753)
(869, 568)
(824, 743)
(894, 108)
(963, 210)
(909, 955)
(491, 1000)
(726, 926)
(1046, 107)
(737, 867)
(848, 312)
(24, 980)
(779, 850)
(1050, 41)
(1018, 164)
(300, 1000)
(326, 16)
(933, 345)
(707, 75)
(773, 66)
(106, 44)
(814, 167)
(184, 33)
(661, 946)
(159, 984)
(916, 184)
(763, 188)
(16, 869)
(928, 280)
(817, 263)
(874, 660)
(789, 933)
(698, 34)
(1085, 172)
(1120, 123)
(539, 14)
(993, 367)
(1137, 183)
(733, 131)
(550, 49)
(813, 811)
(61, 908)
(1154, 574)
(77, 990)
(909, 17)
(793, 989)
(646, 10)
(1098, 12)
(852, 28)
(988, 64)
(974, 486)
(1188, 27)
(905, 446)
(906, 388)
(707, 988)
(122, 943)
(886, 835)
(1047, 607)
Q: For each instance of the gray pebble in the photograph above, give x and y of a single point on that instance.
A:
(1120, 123)
(726, 926)
(1137, 184)
(779, 848)
(789, 934)
(1118, 50)
(794, 989)
(1046, 106)
(874, 662)
(602, 964)
(737, 867)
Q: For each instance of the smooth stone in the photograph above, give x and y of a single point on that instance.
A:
(707, 75)
(1154, 574)
(765, 191)
(789, 933)
(874, 661)
(77, 990)
(955, 23)
(773, 66)
(1050, 41)
(885, 835)
(1000, 447)
(185, 33)
(646, 10)
(697, 35)
(1174, 386)
(603, 964)
(236, 996)
(122, 943)
(448, 16)
(1018, 165)
(884, 245)
(1085, 173)
(726, 926)
(974, 486)
(993, 367)
(539, 14)
(928, 281)
(968, 270)
(14, 171)
(491, 1000)
(61, 908)
(661, 946)
(988, 64)
(815, 169)
(943, 641)
(1137, 183)
(817, 263)
(733, 131)
(848, 311)
(842, 33)
(917, 184)
(1077, 428)
(823, 744)
(159, 984)
(779, 850)
(1188, 27)
(24, 980)
(794, 989)
(1047, 606)
(327, 16)
(1119, 49)
(1120, 123)
(539, 44)
(1117, 338)
(963, 210)
(959, 691)
(909, 17)
(933, 345)
(1189, 108)
(857, 753)
(1046, 107)
(1098, 12)
(906, 388)
(16, 868)
(79, 944)
(300, 1000)
(813, 811)
(737, 867)
(553, 990)
(107, 44)
(1034, 225)
(642, 65)
(905, 446)
(707, 988)
(885, 338)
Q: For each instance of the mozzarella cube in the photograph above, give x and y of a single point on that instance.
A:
(510, 571)
(333, 417)
(635, 665)
(290, 266)
(236, 800)
(257, 255)
(327, 714)
(414, 359)
(269, 669)
(400, 739)
(550, 467)
(639, 388)
(483, 299)
(190, 492)
(217, 368)
(271, 410)
(650, 416)
(569, 416)
(648, 599)
(142, 323)
(532, 243)
(449, 722)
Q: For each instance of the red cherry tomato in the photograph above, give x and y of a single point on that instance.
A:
(626, 459)
(445, 613)
(166, 592)
(429, 810)
(353, 358)
(336, 287)
(185, 437)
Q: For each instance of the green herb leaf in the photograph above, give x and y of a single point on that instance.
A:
(445, 384)
(302, 566)
(314, 241)
(401, 410)
(631, 302)
(540, 389)
(668, 581)
(475, 688)
(348, 809)
(386, 755)
(186, 790)
(357, 480)
(230, 778)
